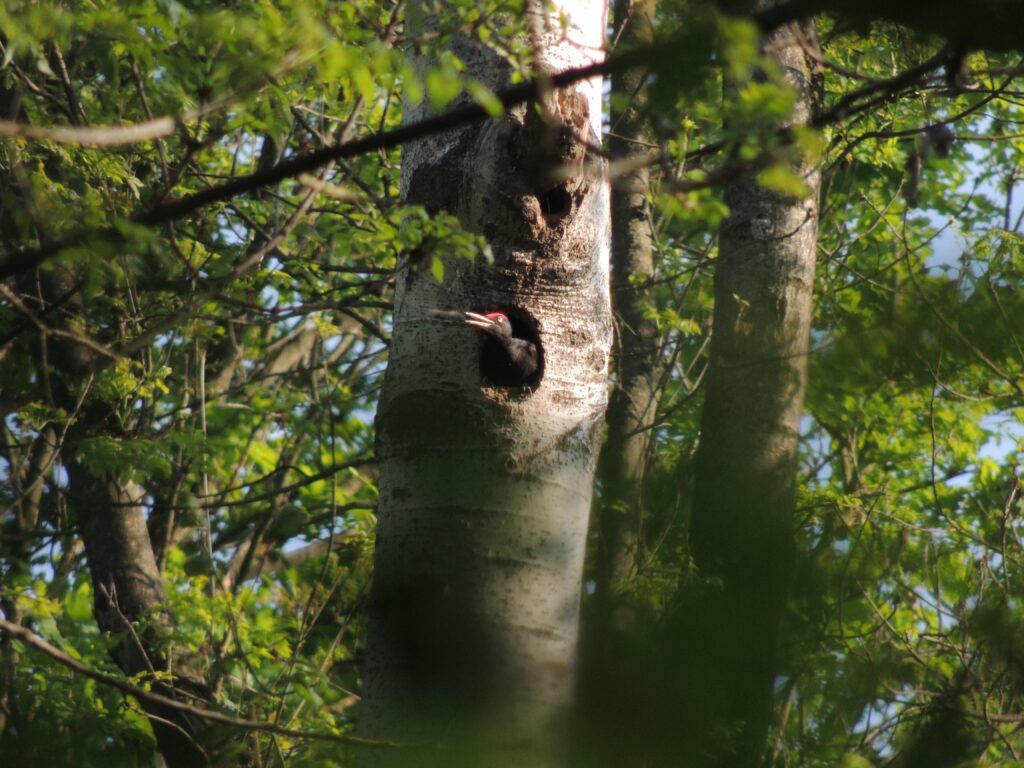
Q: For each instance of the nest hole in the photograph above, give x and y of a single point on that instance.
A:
(494, 368)
(555, 204)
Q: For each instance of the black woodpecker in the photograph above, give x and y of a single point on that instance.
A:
(515, 360)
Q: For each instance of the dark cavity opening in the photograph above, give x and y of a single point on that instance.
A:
(555, 203)
(495, 368)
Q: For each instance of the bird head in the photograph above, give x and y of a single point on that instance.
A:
(494, 323)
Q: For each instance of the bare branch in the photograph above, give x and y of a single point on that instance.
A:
(94, 135)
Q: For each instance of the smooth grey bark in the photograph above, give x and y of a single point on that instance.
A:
(741, 538)
(637, 362)
(485, 491)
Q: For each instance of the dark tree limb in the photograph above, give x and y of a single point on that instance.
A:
(983, 24)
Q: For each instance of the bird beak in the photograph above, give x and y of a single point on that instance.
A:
(479, 321)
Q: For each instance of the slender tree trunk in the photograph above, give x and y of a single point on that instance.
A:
(485, 490)
(129, 602)
(128, 593)
(611, 690)
(741, 536)
(638, 367)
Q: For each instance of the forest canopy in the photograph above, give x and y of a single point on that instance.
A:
(202, 227)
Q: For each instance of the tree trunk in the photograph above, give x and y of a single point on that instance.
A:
(610, 692)
(638, 366)
(128, 593)
(741, 536)
(485, 490)
(129, 602)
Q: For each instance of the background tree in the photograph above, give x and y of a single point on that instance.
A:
(741, 537)
(151, 372)
(634, 402)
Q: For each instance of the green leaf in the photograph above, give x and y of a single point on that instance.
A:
(437, 268)
(485, 97)
(781, 178)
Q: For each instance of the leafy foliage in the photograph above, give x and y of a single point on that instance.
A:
(227, 362)
(909, 569)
